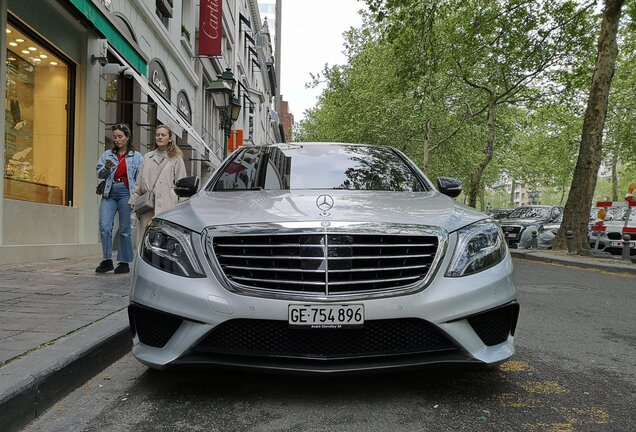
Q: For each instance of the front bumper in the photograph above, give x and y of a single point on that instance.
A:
(177, 320)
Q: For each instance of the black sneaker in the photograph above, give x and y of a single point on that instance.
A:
(104, 266)
(122, 267)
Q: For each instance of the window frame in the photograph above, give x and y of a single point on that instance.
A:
(70, 103)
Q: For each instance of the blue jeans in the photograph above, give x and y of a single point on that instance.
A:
(117, 201)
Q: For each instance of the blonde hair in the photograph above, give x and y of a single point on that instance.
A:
(173, 149)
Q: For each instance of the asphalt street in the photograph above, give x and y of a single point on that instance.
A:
(573, 371)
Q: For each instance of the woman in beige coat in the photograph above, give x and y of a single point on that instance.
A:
(166, 162)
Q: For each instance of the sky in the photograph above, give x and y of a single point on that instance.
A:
(312, 36)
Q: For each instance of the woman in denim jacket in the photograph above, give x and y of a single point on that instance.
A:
(120, 166)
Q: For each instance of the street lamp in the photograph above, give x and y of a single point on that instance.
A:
(228, 105)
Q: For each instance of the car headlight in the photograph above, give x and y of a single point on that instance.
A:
(169, 247)
(479, 247)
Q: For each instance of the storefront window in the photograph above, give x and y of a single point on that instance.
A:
(36, 162)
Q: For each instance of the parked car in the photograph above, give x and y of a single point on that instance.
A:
(611, 240)
(522, 217)
(555, 225)
(500, 213)
(322, 258)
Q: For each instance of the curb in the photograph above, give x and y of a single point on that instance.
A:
(35, 382)
(580, 262)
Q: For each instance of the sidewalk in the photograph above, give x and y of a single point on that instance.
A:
(612, 264)
(60, 324)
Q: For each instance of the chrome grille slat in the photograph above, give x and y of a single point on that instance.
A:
(330, 283)
(375, 257)
(273, 257)
(374, 280)
(364, 269)
(326, 264)
(282, 281)
(385, 245)
(369, 269)
(247, 245)
(270, 269)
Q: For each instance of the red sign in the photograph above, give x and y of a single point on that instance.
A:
(210, 27)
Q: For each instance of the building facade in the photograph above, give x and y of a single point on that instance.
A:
(75, 68)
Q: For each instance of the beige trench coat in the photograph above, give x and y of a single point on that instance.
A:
(165, 197)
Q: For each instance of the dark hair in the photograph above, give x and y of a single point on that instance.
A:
(126, 131)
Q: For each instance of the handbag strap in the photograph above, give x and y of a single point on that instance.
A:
(159, 175)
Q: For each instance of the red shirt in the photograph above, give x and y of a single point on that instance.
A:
(120, 172)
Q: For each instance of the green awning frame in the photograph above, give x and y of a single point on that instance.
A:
(110, 32)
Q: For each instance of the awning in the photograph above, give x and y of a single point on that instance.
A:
(103, 23)
(168, 115)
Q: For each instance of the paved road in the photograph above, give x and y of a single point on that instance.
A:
(574, 371)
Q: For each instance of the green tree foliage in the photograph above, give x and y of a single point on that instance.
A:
(483, 91)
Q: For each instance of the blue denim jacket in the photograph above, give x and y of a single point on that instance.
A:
(134, 161)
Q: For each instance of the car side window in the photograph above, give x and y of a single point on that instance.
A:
(272, 178)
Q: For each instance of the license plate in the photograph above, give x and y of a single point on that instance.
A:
(325, 316)
(619, 244)
(511, 235)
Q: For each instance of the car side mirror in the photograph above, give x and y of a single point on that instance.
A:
(449, 186)
(187, 186)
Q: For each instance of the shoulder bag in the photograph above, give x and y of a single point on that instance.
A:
(100, 187)
(146, 201)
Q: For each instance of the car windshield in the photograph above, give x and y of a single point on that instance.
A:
(302, 167)
(529, 213)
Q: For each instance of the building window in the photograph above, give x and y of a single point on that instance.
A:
(164, 11)
(38, 117)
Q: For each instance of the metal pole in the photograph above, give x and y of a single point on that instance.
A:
(626, 256)
(226, 125)
(569, 235)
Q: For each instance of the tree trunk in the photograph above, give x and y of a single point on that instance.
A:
(512, 195)
(577, 208)
(614, 178)
(475, 183)
(427, 146)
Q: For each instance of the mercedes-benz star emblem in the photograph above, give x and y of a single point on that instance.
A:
(324, 203)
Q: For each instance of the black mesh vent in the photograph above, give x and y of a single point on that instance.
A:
(614, 236)
(326, 263)
(494, 327)
(152, 327)
(275, 338)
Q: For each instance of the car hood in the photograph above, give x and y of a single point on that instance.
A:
(250, 207)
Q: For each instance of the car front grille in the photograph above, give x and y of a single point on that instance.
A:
(248, 337)
(325, 263)
(511, 229)
(512, 233)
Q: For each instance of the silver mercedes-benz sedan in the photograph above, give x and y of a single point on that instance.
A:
(322, 257)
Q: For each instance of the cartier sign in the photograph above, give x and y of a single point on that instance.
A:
(158, 79)
(210, 27)
(183, 106)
